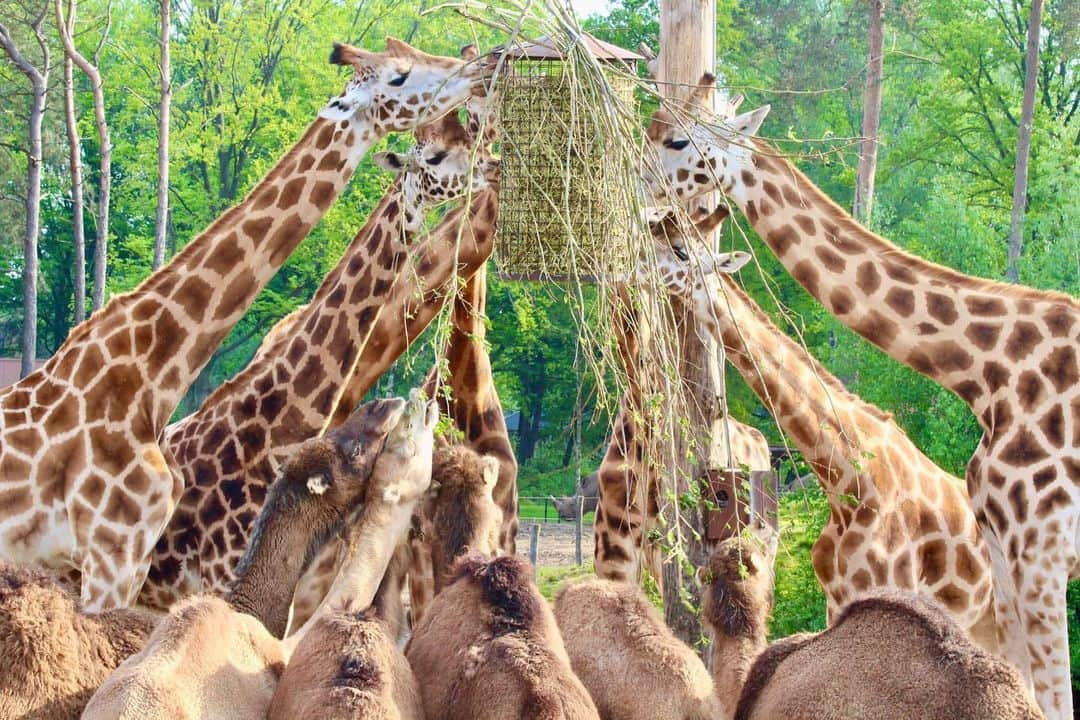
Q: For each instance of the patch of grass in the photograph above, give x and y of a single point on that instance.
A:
(800, 602)
(551, 579)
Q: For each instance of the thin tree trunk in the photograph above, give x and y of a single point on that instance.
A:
(78, 228)
(101, 246)
(39, 81)
(161, 222)
(1023, 143)
(868, 145)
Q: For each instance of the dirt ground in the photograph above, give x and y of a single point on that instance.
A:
(556, 543)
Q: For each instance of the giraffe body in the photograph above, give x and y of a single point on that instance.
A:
(1011, 352)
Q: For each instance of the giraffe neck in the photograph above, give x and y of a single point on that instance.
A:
(301, 374)
(182, 312)
(459, 247)
(929, 317)
(831, 426)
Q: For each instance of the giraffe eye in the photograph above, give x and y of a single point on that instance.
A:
(400, 79)
(680, 252)
(437, 158)
(677, 144)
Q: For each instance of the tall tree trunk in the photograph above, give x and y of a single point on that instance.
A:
(1023, 143)
(101, 246)
(868, 145)
(78, 228)
(687, 50)
(161, 221)
(39, 81)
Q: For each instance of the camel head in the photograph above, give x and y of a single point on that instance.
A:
(739, 582)
(402, 471)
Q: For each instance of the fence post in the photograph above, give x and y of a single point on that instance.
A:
(545, 509)
(578, 520)
(534, 544)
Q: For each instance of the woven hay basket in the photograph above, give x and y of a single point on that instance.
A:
(556, 213)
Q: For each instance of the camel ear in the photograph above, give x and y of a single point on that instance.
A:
(703, 576)
(749, 122)
(491, 471)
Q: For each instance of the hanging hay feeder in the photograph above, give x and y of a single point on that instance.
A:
(559, 213)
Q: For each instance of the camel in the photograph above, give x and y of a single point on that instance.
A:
(621, 649)
(54, 655)
(488, 647)
(213, 658)
(890, 655)
(347, 666)
(460, 514)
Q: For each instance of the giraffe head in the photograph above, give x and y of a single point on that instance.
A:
(693, 157)
(401, 87)
(438, 168)
(682, 261)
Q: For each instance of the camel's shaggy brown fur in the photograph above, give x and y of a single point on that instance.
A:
(889, 656)
(632, 664)
(460, 513)
(488, 647)
(53, 656)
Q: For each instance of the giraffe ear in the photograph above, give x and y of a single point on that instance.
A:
(728, 263)
(396, 163)
(749, 122)
(342, 107)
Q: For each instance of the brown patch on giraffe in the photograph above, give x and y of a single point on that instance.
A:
(90, 365)
(305, 163)
(122, 508)
(950, 356)
(901, 300)
(194, 296)
(290, 196)
(266, 198)
(1017, 497)
(1030, 390)
(867, 278)
(751, 212)
(773, 192)
(933, 558)
(1041, 478)
(236, 294)
(309, 377)
(793, 197)
(941, 308)
(899, 272)
(983, 335)
(926, 329)
(330, 161)
(953, 598)
(325, 136)
(1059, 320)
(118, 344)
(256, 229)
(169, 336)
(783, 239)
(806, 275)
(139, 483)
(805, 223)
(996, 375)
(63, 418)
(322, 194)
(841, 300)
(1060, 368)
(831, 260)
(1022, 340)
(1051, 502)
(748, 178)
(985, 306)
(1052, 425)
(1023, 449)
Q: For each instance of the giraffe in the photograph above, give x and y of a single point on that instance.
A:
(896, 519)
(1009, 351)
(86, 486)
(229, 449)
(629, 492)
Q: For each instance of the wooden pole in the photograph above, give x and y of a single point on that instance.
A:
(687, 51)
(534, 544)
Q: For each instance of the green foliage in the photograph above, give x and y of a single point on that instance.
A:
(799, 600)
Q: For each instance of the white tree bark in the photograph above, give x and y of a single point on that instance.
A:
(1023, 143)
(105, 167)
(868, 145)
(39, 82)
(161, 221)
(78, 229)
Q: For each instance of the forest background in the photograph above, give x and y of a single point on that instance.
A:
(247, 77)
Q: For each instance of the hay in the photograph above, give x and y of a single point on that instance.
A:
(560, 206)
